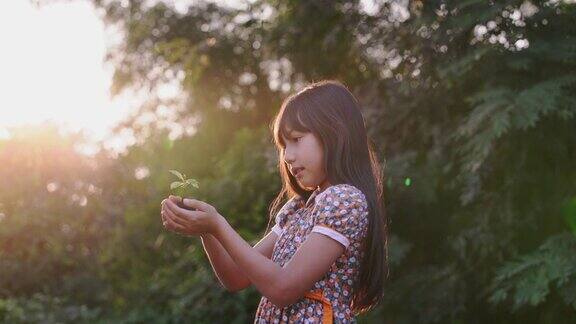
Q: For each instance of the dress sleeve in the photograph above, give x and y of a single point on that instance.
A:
(282, 215)
(341, 213)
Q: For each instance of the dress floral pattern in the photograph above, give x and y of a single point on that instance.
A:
(339, 212)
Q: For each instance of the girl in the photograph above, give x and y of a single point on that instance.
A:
(325, 259)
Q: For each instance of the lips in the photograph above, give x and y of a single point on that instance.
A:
(296, 170)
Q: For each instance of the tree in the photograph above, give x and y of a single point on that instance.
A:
(471, 103)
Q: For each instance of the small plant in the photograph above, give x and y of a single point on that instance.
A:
(181, 185)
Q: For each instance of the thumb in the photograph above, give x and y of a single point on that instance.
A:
(197, 204)
(175, 199)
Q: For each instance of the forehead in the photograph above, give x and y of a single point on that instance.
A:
(292, 132)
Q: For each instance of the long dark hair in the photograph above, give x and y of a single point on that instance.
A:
(329, 110)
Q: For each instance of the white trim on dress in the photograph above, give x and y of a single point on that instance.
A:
(332, 233)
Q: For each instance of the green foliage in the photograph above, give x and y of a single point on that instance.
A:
(476, 131)
(45, 309)
(528, 279)
(183, 183)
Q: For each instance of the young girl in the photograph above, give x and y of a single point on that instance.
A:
(325, 259)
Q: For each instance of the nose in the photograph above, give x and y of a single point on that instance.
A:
(288, 156)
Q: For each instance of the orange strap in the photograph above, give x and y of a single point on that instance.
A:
(327, 307)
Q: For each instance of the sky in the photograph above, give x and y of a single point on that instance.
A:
(52, 68)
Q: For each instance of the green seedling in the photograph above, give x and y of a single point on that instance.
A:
(180, 186)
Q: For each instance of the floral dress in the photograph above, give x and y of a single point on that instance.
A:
(341, 213)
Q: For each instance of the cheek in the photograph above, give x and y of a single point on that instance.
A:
(318, 160)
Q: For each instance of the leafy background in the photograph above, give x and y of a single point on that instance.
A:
(472, 105)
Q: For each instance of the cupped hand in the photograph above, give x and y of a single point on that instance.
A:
(202, 219)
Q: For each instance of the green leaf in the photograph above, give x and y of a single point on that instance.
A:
(543, 98)
(178, 174)
(527, 279)
(176, 184)
(192, 182)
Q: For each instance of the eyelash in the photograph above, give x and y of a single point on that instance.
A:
(294, 139)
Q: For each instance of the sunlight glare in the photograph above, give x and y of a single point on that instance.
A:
(52, 68)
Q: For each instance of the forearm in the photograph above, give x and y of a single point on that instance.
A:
(262, 272)
(230, 276)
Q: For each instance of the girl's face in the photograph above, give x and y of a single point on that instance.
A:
(304, 150)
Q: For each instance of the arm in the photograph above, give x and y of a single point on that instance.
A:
(228, 273)
(281, 285)
(184, 221)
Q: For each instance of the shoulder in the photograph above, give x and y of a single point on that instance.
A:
(293, 202)
(288, 208)
(341, 212)
(343, 193)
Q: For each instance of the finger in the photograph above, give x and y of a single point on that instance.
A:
(174, 218)
(163, 204)
(175, 199)
(163, 216)
(174, 227)
(197, 204)
(176, 211)
(171, 225)
(184, 214)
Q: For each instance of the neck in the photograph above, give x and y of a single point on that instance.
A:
(323, 186)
